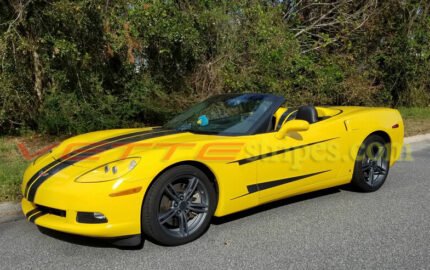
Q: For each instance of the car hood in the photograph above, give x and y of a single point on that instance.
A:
(96, 148)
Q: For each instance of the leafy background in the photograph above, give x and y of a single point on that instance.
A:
(69, 67)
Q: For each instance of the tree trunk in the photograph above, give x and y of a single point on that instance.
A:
(37, 75)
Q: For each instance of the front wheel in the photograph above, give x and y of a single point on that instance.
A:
(372, 164)
(179, 205)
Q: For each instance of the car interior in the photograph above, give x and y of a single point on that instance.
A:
(308, 113)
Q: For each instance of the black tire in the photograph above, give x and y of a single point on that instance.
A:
(370, 160)
(168, 204)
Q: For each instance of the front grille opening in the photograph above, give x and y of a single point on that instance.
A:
(52, 211)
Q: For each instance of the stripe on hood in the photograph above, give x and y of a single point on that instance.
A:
(82, 153)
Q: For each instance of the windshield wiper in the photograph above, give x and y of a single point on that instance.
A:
(198, 131)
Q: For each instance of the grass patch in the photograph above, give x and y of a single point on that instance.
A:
(417, 120)
(415, 112)
(12, 166)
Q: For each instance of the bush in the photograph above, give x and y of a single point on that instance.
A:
(75, 66)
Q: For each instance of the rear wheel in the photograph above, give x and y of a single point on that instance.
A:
(372, 164)
(178, 207)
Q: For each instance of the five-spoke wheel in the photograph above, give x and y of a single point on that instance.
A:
(184, 206)
(178, 206)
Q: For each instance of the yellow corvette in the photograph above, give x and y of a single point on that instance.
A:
(229, 153)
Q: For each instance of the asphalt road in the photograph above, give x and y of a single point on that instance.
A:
(336, 228)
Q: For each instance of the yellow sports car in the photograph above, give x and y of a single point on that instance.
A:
(226, 154)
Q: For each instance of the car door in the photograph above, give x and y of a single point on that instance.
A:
(301, 162)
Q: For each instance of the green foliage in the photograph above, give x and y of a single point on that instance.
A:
(400, 51)
(415, 112)
(11, 167)
(74, 66)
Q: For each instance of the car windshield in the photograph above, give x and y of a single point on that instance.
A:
(233, 114)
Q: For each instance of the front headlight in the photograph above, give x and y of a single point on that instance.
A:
(110, 171)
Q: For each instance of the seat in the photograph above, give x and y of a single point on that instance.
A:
(286, 116)
(307, 113)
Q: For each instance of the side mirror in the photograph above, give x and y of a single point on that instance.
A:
(293, 125)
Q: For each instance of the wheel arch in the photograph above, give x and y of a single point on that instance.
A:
(387, 138)
(203, 167)
(384, 135)
(198, 165)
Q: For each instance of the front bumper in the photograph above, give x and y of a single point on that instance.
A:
(56, 208)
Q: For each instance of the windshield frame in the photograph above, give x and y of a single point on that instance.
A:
(261, 124)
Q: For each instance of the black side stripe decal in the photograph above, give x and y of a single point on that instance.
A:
(275, 183)
(271, 184)
(36, 216)
(271, 154)
(62, 164)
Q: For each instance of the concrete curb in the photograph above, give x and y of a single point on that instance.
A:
(417, 138)
(10, 211)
